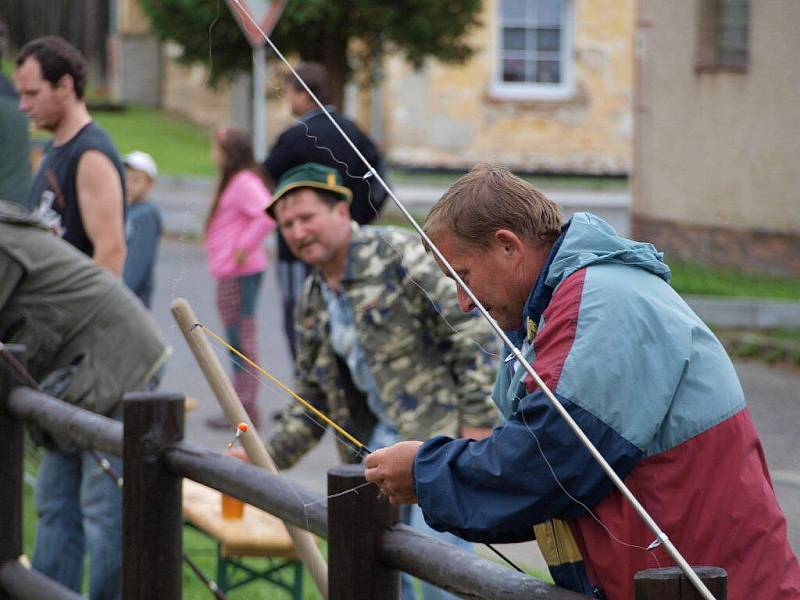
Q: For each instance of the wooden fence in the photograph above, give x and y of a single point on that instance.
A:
(366, 549)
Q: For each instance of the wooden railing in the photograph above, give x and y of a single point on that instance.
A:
(366, 548)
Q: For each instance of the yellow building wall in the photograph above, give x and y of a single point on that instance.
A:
(446, 115)
(131, 18)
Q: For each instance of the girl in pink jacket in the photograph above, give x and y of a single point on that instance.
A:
(235, 230)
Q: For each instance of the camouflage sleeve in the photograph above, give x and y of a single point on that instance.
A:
(471, 348)
(298, 431)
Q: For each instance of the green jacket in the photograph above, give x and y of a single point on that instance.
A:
(15, 168)
(432, 363)
(71, 313)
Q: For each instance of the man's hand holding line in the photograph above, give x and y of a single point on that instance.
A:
(391, 469)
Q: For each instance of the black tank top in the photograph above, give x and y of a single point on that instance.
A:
(54, 194)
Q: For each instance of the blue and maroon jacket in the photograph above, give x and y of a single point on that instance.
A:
(654, 390)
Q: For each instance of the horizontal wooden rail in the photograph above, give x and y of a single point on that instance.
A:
(463, 573)
(83, 428)
(24, 584)
(270, 492)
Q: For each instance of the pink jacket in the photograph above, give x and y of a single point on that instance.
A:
(239, 225)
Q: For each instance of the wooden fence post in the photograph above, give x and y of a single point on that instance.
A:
(670, 583)
(152, 522)
(356, 521)
(12, 449)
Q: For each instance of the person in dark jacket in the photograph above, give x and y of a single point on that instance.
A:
(314, 139)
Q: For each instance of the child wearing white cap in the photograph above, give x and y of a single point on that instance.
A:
(143, 225)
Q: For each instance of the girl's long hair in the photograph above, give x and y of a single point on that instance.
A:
(237, 155)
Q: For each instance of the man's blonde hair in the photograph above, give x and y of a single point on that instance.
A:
(489, 198)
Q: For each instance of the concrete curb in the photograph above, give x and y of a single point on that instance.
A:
(184, 203)
(745, 313)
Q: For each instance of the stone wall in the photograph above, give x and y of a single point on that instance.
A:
(449, 116)
(751, 250)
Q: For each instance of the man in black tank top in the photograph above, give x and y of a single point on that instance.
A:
(79, 191)
(78, 188)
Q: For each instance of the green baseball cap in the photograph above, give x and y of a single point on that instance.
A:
(312, 175)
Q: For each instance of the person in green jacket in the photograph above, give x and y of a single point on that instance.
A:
(15, 166)
(89, 341)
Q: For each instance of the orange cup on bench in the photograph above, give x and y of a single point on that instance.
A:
(233, 508)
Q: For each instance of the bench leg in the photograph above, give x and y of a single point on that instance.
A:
(222, 571)
(298, 580)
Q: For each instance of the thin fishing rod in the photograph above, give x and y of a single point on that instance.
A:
(362, 449)
(661, 537)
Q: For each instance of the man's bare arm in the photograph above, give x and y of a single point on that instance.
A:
(100, 200)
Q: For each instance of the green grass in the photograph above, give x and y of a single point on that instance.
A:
(692, 278)
(179, 147)
(201, 549)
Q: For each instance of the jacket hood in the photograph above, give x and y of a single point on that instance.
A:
(589, 240)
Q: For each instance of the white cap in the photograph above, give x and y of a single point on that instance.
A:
(141, 161)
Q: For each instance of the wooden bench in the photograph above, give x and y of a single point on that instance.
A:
(257, 533)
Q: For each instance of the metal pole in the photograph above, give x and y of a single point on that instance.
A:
(259, 103)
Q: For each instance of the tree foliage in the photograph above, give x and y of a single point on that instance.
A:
(321, 31)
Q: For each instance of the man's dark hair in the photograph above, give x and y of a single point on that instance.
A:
(316, 78)
(57, 57)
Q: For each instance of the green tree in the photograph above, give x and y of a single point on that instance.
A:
(321, 31)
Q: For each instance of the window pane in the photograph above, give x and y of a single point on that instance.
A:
(732, 57)
(548, 12)
(513, 69)
(732, 32)
(733, 12)
(513, 38)
(513, 9)
(530, 70)
(733, 39)
(548, 71)
(548, 39)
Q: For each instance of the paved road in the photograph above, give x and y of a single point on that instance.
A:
(772, 393)
(184, 202)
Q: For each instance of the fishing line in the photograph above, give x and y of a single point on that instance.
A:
(661, 537)
(362, 448)
(578, 502)
(365, 179)
(272, 390)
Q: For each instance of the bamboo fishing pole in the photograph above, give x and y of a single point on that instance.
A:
(304, 541)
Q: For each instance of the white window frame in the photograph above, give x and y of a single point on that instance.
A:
(528, 90)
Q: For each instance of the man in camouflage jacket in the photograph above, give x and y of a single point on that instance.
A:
(431, 365)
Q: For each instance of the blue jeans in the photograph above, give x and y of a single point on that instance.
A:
(411, 514)
(79, 509)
